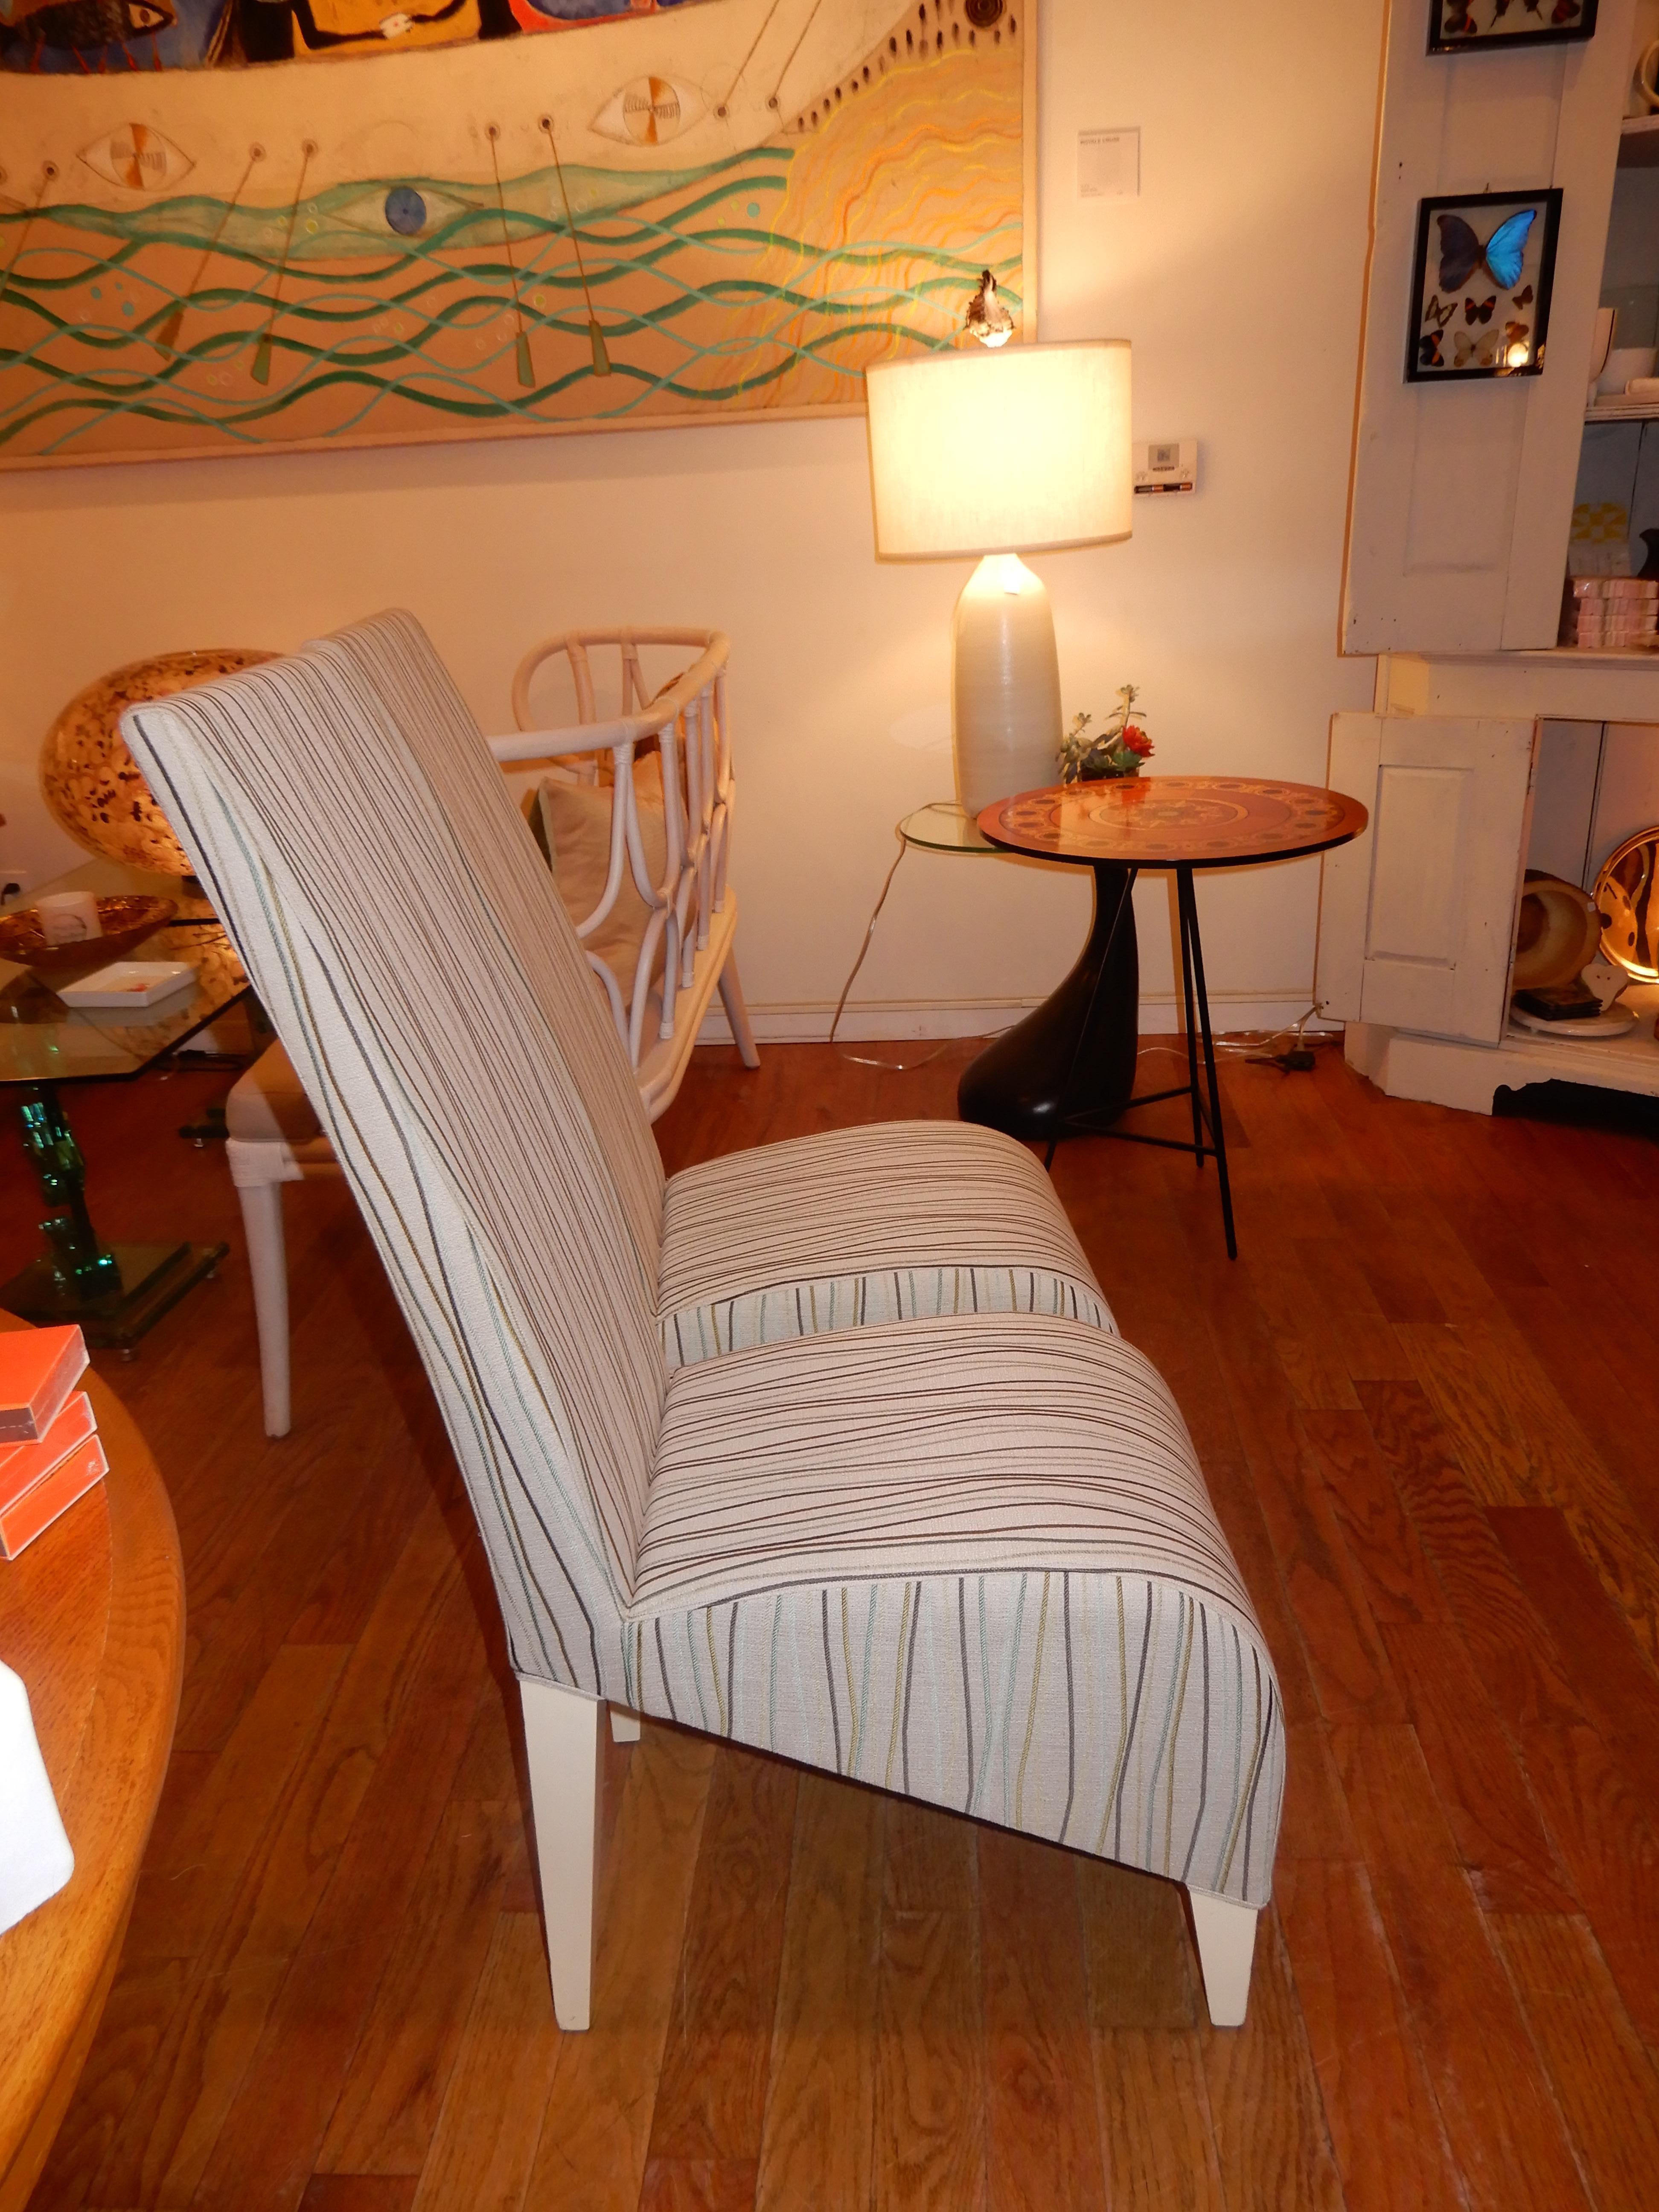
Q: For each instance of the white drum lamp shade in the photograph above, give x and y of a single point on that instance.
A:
(996, 453)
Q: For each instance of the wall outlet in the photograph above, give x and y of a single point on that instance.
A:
(13, 884)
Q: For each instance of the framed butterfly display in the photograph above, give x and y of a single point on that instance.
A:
(1480, 288)
(1455, 26)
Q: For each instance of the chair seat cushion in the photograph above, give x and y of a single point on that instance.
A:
(972, 1560)
(268, 1105)
(861, 1226)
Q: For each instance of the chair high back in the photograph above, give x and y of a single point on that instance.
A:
(361, 847)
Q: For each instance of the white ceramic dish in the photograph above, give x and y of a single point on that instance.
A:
(130, 983)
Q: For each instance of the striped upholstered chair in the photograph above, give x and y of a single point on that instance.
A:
(830, 1447)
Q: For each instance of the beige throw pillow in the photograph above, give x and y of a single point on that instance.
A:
(572, 825)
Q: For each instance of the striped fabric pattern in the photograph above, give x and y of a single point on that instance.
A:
(425, 981)
(881, 1552)
(893, 1222)
(970, 1556)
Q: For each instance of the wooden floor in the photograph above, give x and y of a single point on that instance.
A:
(1427, 1399)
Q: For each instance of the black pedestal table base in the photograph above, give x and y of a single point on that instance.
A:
(1068, 1069)
(1076, 1052)
(1209, 1140)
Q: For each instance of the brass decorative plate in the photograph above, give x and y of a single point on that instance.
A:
(91, 781)
(1628, 893)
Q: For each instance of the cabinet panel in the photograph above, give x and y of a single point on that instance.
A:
(1417, 917)
(1628, 796)
(1563, 784)
(1462, 494)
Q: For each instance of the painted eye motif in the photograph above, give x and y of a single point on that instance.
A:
(138, 157)
(382, 215)
(649, 111)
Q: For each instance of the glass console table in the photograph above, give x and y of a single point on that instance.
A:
(114, 1291)
(940, 826)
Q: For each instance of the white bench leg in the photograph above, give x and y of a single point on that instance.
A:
(624, 1725)
(267, 1259)
(562, 1737)
(737, 1013)
(1226, 1945)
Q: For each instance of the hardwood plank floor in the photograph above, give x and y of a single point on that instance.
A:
(1437, 1466)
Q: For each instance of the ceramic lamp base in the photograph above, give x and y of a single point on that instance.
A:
(1004, 684)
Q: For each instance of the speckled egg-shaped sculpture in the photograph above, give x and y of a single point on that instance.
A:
(91, 781)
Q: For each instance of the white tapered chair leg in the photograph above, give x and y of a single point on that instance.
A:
(267, 1259)
(561, 1738)
(1226, 1945)
(624, 1725)
(738, 1014)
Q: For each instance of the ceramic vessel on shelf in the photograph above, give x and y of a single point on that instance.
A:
(1624, 364)
(91, 781)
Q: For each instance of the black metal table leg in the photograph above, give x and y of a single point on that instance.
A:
(1192, 1029)
(114, 1291)
(1188, 902)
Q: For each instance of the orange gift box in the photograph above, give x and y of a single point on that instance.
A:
(39, 1368)
(22, 1521)
(21, 1465)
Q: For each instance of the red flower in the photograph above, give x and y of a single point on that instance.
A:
(1135, 740)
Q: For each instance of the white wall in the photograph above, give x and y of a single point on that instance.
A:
(1238, 276)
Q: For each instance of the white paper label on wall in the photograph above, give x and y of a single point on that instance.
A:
(1170, 465)
(1109, 164)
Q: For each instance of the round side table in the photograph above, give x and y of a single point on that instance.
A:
(91, 1616)
(1068, 1069)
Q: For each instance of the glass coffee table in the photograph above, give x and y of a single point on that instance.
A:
(114, 1291)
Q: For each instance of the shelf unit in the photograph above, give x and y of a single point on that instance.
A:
(1639, 143)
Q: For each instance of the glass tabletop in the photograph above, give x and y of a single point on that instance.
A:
(942, 826)
(112, 878)
(44, 1041)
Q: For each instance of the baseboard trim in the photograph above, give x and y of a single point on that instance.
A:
(806, 1020)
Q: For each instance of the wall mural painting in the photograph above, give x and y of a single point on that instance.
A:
(581, 214)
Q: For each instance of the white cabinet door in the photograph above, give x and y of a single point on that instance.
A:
(1416, 916)
(1463, 492)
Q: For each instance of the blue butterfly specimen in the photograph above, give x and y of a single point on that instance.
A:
(1462, 253)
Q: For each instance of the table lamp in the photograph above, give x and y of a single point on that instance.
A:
(997, 452)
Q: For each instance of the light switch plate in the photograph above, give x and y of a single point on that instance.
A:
(1108, 164)
(1167, 464)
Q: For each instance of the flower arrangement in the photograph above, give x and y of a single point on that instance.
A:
(1118, 750)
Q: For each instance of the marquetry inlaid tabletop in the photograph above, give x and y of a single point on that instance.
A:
(1165, 821)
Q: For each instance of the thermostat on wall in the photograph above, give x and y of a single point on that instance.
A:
(1172, 466)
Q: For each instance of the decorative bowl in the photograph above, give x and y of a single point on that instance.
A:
(128, 919)
(90, 780)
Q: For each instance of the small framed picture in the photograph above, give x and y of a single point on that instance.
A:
(1480, 288)
(1455, 26)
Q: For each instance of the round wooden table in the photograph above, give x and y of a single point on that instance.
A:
(92, 1617)
(1069, 1067)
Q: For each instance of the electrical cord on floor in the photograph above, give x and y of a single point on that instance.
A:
(864, 1059)
(1255, 1046)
